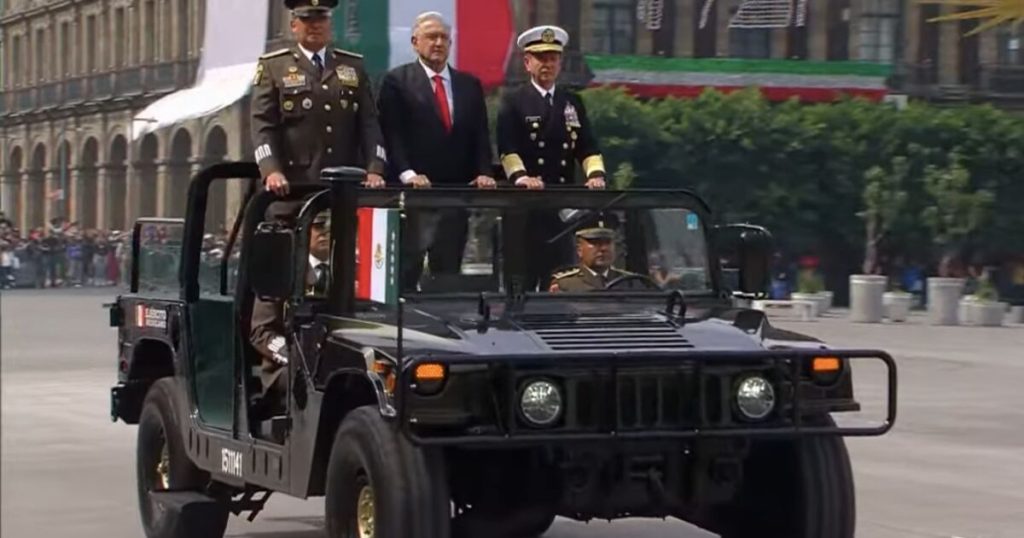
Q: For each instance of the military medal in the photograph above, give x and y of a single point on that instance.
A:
(344, 104)
(355, 107)
(347, 75)
(307, 103)
(533, 136)
(288, 106)
(572, 118)
(294, 80)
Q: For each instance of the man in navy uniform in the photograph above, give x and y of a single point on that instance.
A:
(312, 107)
(543, 132)
(543, 129)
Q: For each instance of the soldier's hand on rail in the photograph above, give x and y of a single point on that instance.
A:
(374, 181)
(532, 183)
(484, 182)
(276, 183)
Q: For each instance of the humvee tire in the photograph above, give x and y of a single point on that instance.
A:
(799, 488)
(162, 464)
(381, 486)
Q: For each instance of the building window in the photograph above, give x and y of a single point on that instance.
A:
(167, 27)
(65, 48)
(614, 30)
(40, 55)
(91, 52)
(148, 30)
(750, 43)
(878, 27)
(120, 37)
(1010, 46)
(17, 77)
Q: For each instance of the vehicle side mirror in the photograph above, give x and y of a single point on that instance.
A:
(746, 253)
(270, 262)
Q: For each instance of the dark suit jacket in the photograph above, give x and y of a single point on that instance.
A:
(416, 136)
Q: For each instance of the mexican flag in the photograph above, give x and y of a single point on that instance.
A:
(483, 33)
(377, 257)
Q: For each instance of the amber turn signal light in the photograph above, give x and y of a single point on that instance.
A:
(825, 365)
(429, 372)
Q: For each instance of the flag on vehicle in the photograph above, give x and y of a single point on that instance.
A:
(377, 255)
(482, 33)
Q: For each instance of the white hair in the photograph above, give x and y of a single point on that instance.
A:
(428, 16)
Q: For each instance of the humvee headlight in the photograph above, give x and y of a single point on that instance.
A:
(541, 403)
(755, 397)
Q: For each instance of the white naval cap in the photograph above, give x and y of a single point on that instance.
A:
(543, 39)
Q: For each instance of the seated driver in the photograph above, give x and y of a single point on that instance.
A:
(267, 331)
(595, 248)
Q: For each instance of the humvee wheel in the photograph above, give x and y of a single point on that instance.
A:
(162, 465)
(797, 488)
(380, 486)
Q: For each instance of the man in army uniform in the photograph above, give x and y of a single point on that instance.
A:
(313, 108)
(543, 129)
(595, 247)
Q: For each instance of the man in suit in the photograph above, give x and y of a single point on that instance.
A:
(312, 107)
(267, 330)
(543, 132)
(434, 119)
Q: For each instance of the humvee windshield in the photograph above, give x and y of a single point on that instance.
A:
(531, 245)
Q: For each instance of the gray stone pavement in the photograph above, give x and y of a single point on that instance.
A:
(953, 466)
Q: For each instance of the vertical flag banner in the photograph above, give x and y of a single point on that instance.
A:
(482, 33)
(376, 275)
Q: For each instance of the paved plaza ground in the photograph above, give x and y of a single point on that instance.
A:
(952, 467)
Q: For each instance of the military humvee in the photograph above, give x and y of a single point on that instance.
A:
(468, 405)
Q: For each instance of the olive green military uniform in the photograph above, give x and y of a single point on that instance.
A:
(583, 279)
(303, 122)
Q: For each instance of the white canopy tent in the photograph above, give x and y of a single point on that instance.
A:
(235, 36)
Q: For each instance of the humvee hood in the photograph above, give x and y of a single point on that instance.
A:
(556, 329)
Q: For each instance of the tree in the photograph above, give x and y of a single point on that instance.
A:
(956, 210)
(885, 197)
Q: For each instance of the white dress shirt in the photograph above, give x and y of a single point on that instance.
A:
(544, 93)
(309, 55)
(446, 79)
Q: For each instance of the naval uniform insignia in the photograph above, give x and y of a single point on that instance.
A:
(288, 106)
(347, 75)
(355, 107)
(293, 69)
(294, 80)
(572, 118)
(533, 136)
(344, 104)
(307, 103)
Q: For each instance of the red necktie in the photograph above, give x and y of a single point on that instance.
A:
(442, 102)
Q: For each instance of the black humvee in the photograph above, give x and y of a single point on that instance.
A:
(468, 405)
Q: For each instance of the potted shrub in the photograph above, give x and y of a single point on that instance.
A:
(897, 304)
(885, 197)
(983, 308)
(809, 286)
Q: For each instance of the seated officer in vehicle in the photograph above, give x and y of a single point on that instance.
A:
(595, 248)
(267, 332)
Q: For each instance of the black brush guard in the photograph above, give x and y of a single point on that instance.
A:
(789, 365)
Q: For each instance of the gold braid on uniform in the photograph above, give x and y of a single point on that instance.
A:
(513, 165)
(593, 166)
(348, 53)
(566, 273)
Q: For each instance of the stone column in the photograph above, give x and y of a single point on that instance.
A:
(722, 31)
(912, 33)
(856, 12)
(8, 192)
(817, 25)
(162, 180)
(71, 194)
(685, 25)
(133, 192)
(949, 49)
(53, 206)
(103, 219)
(23, 203)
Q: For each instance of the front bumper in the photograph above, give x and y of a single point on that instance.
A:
(631, 396)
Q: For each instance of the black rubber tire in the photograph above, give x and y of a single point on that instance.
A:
(159, 424)
(409, 484)
(796, 488)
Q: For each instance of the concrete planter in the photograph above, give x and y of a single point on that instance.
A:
(825, 298)
(982, 313)
(809, 297)
(1016, 314)
(897, 305)
(943, 300)
(866, 291)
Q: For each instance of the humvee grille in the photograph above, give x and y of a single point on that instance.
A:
(606, 333)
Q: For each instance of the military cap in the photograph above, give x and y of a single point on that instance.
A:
(601, 227)
(310, 8)
(322, 218)
(543, 39)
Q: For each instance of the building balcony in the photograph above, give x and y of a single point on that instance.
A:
(1001, 84)
(143, 81)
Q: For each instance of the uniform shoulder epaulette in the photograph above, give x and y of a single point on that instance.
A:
(563, 274)
(348, 53)
(278, 52)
